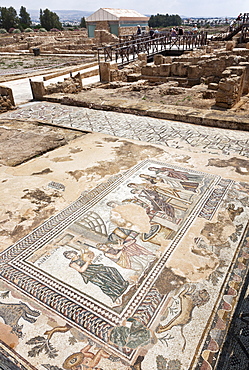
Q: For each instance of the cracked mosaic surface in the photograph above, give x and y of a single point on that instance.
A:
(169, 133)
(127, 273)
(184, 254)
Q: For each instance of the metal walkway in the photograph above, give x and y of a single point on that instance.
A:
(126, 52)
(240, 25)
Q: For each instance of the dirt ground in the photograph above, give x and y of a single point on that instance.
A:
(158, 93)
(21, 140)
(151, 95)
(28, 64)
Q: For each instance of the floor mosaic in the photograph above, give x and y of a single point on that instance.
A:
(142, 272)
(170, 133)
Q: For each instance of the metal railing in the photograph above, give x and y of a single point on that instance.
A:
(127, 51)
(239, 24)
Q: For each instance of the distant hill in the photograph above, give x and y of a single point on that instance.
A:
(64, 15)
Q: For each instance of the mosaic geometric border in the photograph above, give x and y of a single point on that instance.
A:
(226, 306)
(96, 320)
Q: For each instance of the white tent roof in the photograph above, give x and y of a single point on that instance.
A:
(110, 14)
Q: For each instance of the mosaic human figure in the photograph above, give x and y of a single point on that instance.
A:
(85, 359)
(157, 201)
(187, 180)
(107, 278)
(122, 248)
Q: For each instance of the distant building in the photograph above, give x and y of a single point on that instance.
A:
(116, 21)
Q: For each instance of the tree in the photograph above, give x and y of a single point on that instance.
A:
(161, 20)
(49, 20)
(83, 23)
(8, 18)
(24, 18)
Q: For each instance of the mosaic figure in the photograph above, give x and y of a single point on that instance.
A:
(131, 337)
(107, 278)
(156, 200)
(13, 312)
(123, 249)
(187, 180)
(85, 359)
(189, 299)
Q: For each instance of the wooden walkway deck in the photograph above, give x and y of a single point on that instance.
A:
(126, 52)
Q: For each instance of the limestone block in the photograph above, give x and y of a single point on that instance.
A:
(179, 69)
(209, 94)
(104, 71)
(230, 45)
(158, 59)
(38, 89)
(213, 86)
(7, 91)
(165, 70)
(142, 59)
(133, 77)
(150, 70)
(194, 71)
(213, 67)
(229, 92)
(226, 73)
(245, 89)
(237, 70)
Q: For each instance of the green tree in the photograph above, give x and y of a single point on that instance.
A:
(161, 20)
(83, 22)
(8, 18)
(49, 20)
(24, 18)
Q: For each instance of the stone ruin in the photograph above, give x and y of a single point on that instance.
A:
(62, 42)
(6, 99)
(221, 67)
(71, 85)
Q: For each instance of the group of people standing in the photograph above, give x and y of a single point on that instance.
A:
(174, 31)
(153, 32)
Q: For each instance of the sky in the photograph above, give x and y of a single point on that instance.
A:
(188, 8)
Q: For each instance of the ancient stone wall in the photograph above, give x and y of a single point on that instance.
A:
(196, 68)
(70, 85)
(52, 42)
(130, 30)
(103, 25)
(6, 99)
(224, 72)
(104, 37)
(233, 84)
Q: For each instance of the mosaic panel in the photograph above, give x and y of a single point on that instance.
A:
(129, 263)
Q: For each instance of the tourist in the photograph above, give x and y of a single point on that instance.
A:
(180, 32)
(156, 33)
(152, 32)
(139, 31)
(231, 26)
(195, 29)
(173, 32)
(239, 18)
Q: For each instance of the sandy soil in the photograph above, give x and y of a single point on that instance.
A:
(21, 140)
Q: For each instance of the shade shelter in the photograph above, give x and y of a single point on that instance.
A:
(116, 21)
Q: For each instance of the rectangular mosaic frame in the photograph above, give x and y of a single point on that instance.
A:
(81, 312)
